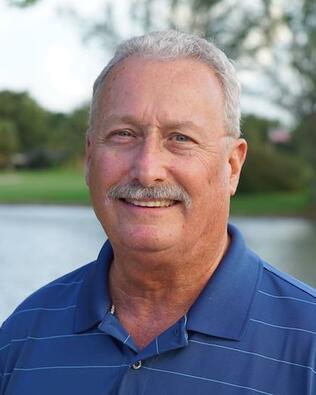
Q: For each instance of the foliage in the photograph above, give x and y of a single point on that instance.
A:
(29, 119)
(41, 138)
(8, 141)
(231, 23)
(68, 133)
(76, 125)
(22, 3)
(269, 167)
(293, 68)
(305, 141)
(268, 170)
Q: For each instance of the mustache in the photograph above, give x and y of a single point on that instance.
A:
(136, 191)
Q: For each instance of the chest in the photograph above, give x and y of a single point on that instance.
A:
(175, 363)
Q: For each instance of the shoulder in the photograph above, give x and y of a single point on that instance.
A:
(54, 298)
(56, 293)
(284, 285)
(284, 305)
(48, 312)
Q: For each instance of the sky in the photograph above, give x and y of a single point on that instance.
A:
(43, 52)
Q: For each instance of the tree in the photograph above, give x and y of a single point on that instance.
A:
(22, 3)
(270, 168)
(71, 133)
(9, 143)
(29, 119)
(231, 23)
(297, 89)
(44, 138)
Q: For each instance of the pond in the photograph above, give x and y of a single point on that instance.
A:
(41, 243)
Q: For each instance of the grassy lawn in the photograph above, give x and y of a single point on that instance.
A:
(49, 186)
(277, 203)
(68, 187)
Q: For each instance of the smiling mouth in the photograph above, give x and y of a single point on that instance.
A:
(150, 203)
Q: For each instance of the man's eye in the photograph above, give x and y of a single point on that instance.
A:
(123, 133)
(181, 138)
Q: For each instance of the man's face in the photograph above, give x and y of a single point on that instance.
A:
(161, 123)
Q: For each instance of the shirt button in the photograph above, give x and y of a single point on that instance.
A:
(137, 365)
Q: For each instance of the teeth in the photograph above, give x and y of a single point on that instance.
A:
(151, 203)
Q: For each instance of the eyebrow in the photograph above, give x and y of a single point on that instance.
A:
(131, 120)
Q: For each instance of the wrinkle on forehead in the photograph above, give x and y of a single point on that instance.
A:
(183, 90)
(134, 121)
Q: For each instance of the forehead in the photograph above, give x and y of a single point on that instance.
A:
(182, 86)
(136, 69)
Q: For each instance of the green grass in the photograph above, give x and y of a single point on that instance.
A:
(68, 187)
(49, 186)
(277, 203)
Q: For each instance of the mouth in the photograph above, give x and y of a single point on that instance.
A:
(150, 203)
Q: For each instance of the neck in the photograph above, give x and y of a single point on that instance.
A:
(153, 291)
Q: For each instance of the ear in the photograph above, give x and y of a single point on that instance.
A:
(88, 155)
(237, 156)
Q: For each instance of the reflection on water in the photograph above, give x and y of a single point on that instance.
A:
(40, 243)
(287, 243)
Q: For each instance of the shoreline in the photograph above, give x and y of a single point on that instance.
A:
(307, 215)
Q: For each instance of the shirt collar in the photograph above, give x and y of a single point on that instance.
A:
(221, 310)
(223, 307)
(94, 300)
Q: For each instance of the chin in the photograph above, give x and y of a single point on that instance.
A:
(142, 239)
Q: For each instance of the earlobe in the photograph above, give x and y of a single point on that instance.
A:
(236, 161)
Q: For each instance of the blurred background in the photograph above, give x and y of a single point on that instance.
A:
(51, 52)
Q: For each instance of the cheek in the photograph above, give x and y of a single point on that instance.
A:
(106, 168)
(211, 174)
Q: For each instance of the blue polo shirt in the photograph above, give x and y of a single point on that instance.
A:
(251, 331)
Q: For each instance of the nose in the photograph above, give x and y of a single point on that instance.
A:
(150, 163)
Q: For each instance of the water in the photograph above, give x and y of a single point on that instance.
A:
(41, 243)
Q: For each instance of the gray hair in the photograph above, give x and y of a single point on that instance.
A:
(170, 45)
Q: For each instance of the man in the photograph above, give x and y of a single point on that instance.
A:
(175, 303)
